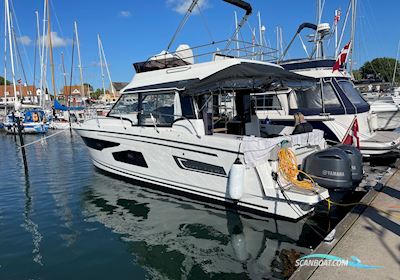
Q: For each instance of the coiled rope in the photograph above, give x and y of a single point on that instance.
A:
(288, 169)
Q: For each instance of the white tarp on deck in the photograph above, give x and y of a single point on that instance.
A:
(258, 150)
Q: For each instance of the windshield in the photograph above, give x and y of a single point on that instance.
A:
(309, 98)
(352, 93)
(126, 107)
(150, 108)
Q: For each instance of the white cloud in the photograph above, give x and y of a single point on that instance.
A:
(56, 40)
(24, 40)
(125, 14)
(181, 6)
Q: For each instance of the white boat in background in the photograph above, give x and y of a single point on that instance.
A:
(332, 106)
(388, 113)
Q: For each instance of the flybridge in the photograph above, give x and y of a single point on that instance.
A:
(216, 50)
(185, 55)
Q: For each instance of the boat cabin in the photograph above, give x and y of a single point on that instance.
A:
(215, 97)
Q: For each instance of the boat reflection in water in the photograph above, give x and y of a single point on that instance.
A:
(176, 238)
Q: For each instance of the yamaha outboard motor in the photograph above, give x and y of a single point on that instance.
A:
(330, 168)
(357, 171)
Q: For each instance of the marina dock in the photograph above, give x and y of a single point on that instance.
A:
(371, 232)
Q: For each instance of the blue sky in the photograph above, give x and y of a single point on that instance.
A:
(134, 30)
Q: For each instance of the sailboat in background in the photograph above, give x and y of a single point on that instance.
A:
(27, 120)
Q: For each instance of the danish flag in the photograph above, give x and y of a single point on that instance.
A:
(338, 14)
(351, 136)
(342, 58)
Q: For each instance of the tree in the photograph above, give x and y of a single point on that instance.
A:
(381, 68)
(2, 81)
(97, 94)
(357, 75)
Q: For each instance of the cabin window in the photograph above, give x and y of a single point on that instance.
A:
(267, 102)
(153, 108)
(157, 108)
(352, 93)
(330, 97)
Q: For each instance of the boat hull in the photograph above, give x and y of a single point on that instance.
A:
(28, 128)
(190, 167)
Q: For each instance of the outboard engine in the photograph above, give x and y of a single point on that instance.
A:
(357, 171)
(330, 168)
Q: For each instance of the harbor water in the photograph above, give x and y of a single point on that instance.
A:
(60, 218)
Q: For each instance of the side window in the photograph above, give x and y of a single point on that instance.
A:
(267, 102)
(187, 107)
(157, 108)
(330, 97)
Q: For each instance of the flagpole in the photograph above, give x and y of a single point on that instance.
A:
(336, 31)
(353, 33)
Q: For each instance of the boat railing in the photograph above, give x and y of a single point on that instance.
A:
(209, 52)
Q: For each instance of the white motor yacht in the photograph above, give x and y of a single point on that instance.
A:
(161, 131)
(332, 106)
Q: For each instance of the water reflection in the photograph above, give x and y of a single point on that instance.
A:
(176, 238)
(29, 225)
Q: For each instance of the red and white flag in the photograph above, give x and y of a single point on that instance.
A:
(338, 14)
(351, 137)
(342, 58)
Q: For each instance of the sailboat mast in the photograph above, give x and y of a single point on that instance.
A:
(11, 51)
(101, 66)
(37, 47)
(53, 81)
(395, 66)
(79, 59)
(108, 70)
(64, 73)
(42, 61)
(5, 60)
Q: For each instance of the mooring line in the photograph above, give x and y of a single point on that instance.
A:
(41, 139)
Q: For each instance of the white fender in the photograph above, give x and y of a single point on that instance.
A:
(236, 180)
(239, 247)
